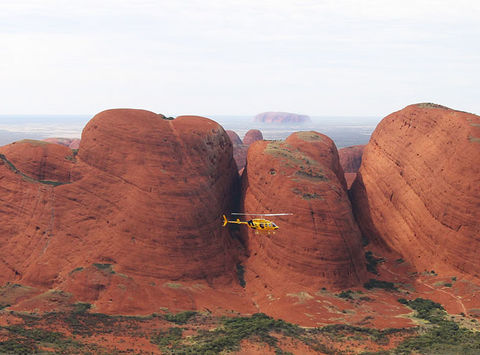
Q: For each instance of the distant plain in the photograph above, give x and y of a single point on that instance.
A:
(344, 130)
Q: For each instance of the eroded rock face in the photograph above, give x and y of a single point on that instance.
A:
(234, 138)
(351, 158)
(251, 136)
(418, 189)
(145, 206)
(319, 245)
(281, 117)
(39, 160)
(239, 150)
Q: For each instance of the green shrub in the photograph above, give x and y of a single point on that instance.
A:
(18, 346)
(105, 267)
(81, 307)
(372, 262)
(426, 309)
(180, 318)
(241, 275)
(346, 294)
(445, 338)
(386, 285)
(169, 338)
(234, 330)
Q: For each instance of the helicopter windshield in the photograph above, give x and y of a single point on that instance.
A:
(273, 224)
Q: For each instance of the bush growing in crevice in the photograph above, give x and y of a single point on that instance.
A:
(386, 285)
(372, 262)
(241, 275)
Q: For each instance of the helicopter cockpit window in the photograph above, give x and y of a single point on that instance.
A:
(273, 225)
(261, 225)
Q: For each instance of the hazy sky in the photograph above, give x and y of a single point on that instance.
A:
(207, 57)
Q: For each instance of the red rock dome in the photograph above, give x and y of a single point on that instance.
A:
(319, 245)
(39, 160)
(146, 207)
(418, 189)
(234, 138)
(251, 136)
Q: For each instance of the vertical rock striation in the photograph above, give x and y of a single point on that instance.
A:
(418, 189)
(319, 245)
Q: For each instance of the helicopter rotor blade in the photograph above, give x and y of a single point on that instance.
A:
(261, 214)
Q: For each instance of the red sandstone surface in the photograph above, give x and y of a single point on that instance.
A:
(319, 245)
(234, 138)
(72, 143)
(40, 160)
(252, 136)
(351, 158)
(350, 178)
(281, 117)
(239, 150)
(418, 189)
(139, 212)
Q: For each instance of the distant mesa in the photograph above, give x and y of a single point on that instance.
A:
(72, 143)
(418, 188)
(281, 117)
(320, 245)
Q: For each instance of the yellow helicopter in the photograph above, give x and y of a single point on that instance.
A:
(256, 223)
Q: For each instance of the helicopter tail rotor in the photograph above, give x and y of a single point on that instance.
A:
(225, 221)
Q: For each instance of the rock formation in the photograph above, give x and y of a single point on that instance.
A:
(319, 246)
(239, 150)
(140, 203)
(251, 136)
(234, 138)
(281, 117)
(418, 189)
(39, 161)
(72, 143)
(350, 160)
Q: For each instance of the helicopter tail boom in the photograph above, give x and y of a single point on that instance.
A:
(225, 221)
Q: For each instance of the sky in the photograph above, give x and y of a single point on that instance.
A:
(238, 57)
